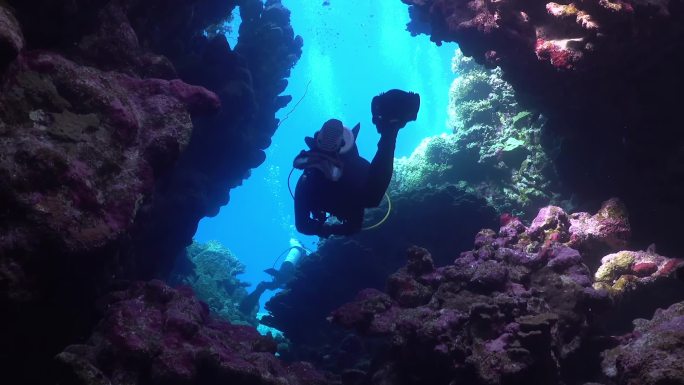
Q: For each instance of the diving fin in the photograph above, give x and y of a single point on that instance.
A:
(356, 130)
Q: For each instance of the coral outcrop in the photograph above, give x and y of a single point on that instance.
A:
(122, 124)
(622, 270)
(595, 235)
(495, 150)
(511, 311)
(606, 75)
(153, 334)
(638, 277)
(518, 308)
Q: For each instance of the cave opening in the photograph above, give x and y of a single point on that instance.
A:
(352, 52)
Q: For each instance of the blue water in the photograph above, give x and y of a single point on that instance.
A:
(352, 51)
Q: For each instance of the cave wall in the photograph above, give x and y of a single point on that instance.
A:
(606, 74)
(122, 124)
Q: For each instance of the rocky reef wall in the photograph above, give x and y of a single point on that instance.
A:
(122, 124)
(606, 75)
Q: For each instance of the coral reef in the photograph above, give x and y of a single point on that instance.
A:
(214, 279)
(153, 334)
(495, 150)
(121, 125)
(519, 308)
(606, 75)
(343, 266)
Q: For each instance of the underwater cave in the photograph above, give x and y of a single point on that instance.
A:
(397, 192)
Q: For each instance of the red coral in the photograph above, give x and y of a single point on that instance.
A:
(561, 58)
(670, 267)
(644, 269)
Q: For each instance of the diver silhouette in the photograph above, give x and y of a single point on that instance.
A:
(337, 181)
(280, 276)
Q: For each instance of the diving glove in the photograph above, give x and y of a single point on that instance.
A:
(395, 107)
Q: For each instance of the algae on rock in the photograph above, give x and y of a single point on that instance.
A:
(495, 148)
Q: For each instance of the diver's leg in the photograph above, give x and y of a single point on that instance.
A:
(380, 171)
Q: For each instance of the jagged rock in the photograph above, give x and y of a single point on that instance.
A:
(638, 282)
(153, 334)
(519, 308)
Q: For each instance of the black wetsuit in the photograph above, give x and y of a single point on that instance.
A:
(361, 186)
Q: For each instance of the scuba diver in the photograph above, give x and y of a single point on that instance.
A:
(280, 277)
(337, 181)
